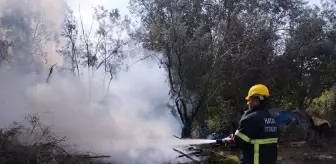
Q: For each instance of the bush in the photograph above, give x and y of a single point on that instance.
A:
(325, 106)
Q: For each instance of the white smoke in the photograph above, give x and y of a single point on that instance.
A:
(119, 125)
(129, 123)
(32, 27)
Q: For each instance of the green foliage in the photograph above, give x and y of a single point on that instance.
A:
(219, 117)
(324, 106)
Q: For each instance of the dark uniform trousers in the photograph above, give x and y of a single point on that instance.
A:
(257, 137)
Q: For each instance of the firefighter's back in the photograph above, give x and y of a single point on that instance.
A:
(263, 146)
(267, 131)
(269, 152)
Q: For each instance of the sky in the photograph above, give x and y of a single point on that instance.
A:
(86, 7)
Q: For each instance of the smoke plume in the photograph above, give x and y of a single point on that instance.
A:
(129, 122)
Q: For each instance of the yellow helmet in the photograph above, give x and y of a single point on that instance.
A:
(258, 89)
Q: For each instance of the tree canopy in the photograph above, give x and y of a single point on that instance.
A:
(213, 51)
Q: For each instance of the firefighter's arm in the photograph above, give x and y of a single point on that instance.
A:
(246, 130)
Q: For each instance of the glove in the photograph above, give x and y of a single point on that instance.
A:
(226, 140)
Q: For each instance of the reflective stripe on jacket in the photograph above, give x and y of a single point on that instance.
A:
(257, 137)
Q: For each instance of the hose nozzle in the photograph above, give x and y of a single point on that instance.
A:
(226, 140)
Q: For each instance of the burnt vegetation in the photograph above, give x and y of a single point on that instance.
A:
(30, 141)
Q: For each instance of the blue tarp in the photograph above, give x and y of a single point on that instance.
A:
(285, 117)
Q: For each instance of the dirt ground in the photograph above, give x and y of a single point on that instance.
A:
(304, 153)
(289, 152)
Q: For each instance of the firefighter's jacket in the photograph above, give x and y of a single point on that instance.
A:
(257, 137)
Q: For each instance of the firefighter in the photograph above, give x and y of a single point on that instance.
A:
(257, 133)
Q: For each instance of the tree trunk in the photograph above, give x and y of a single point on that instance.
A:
(186, 131)
(300, 103)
